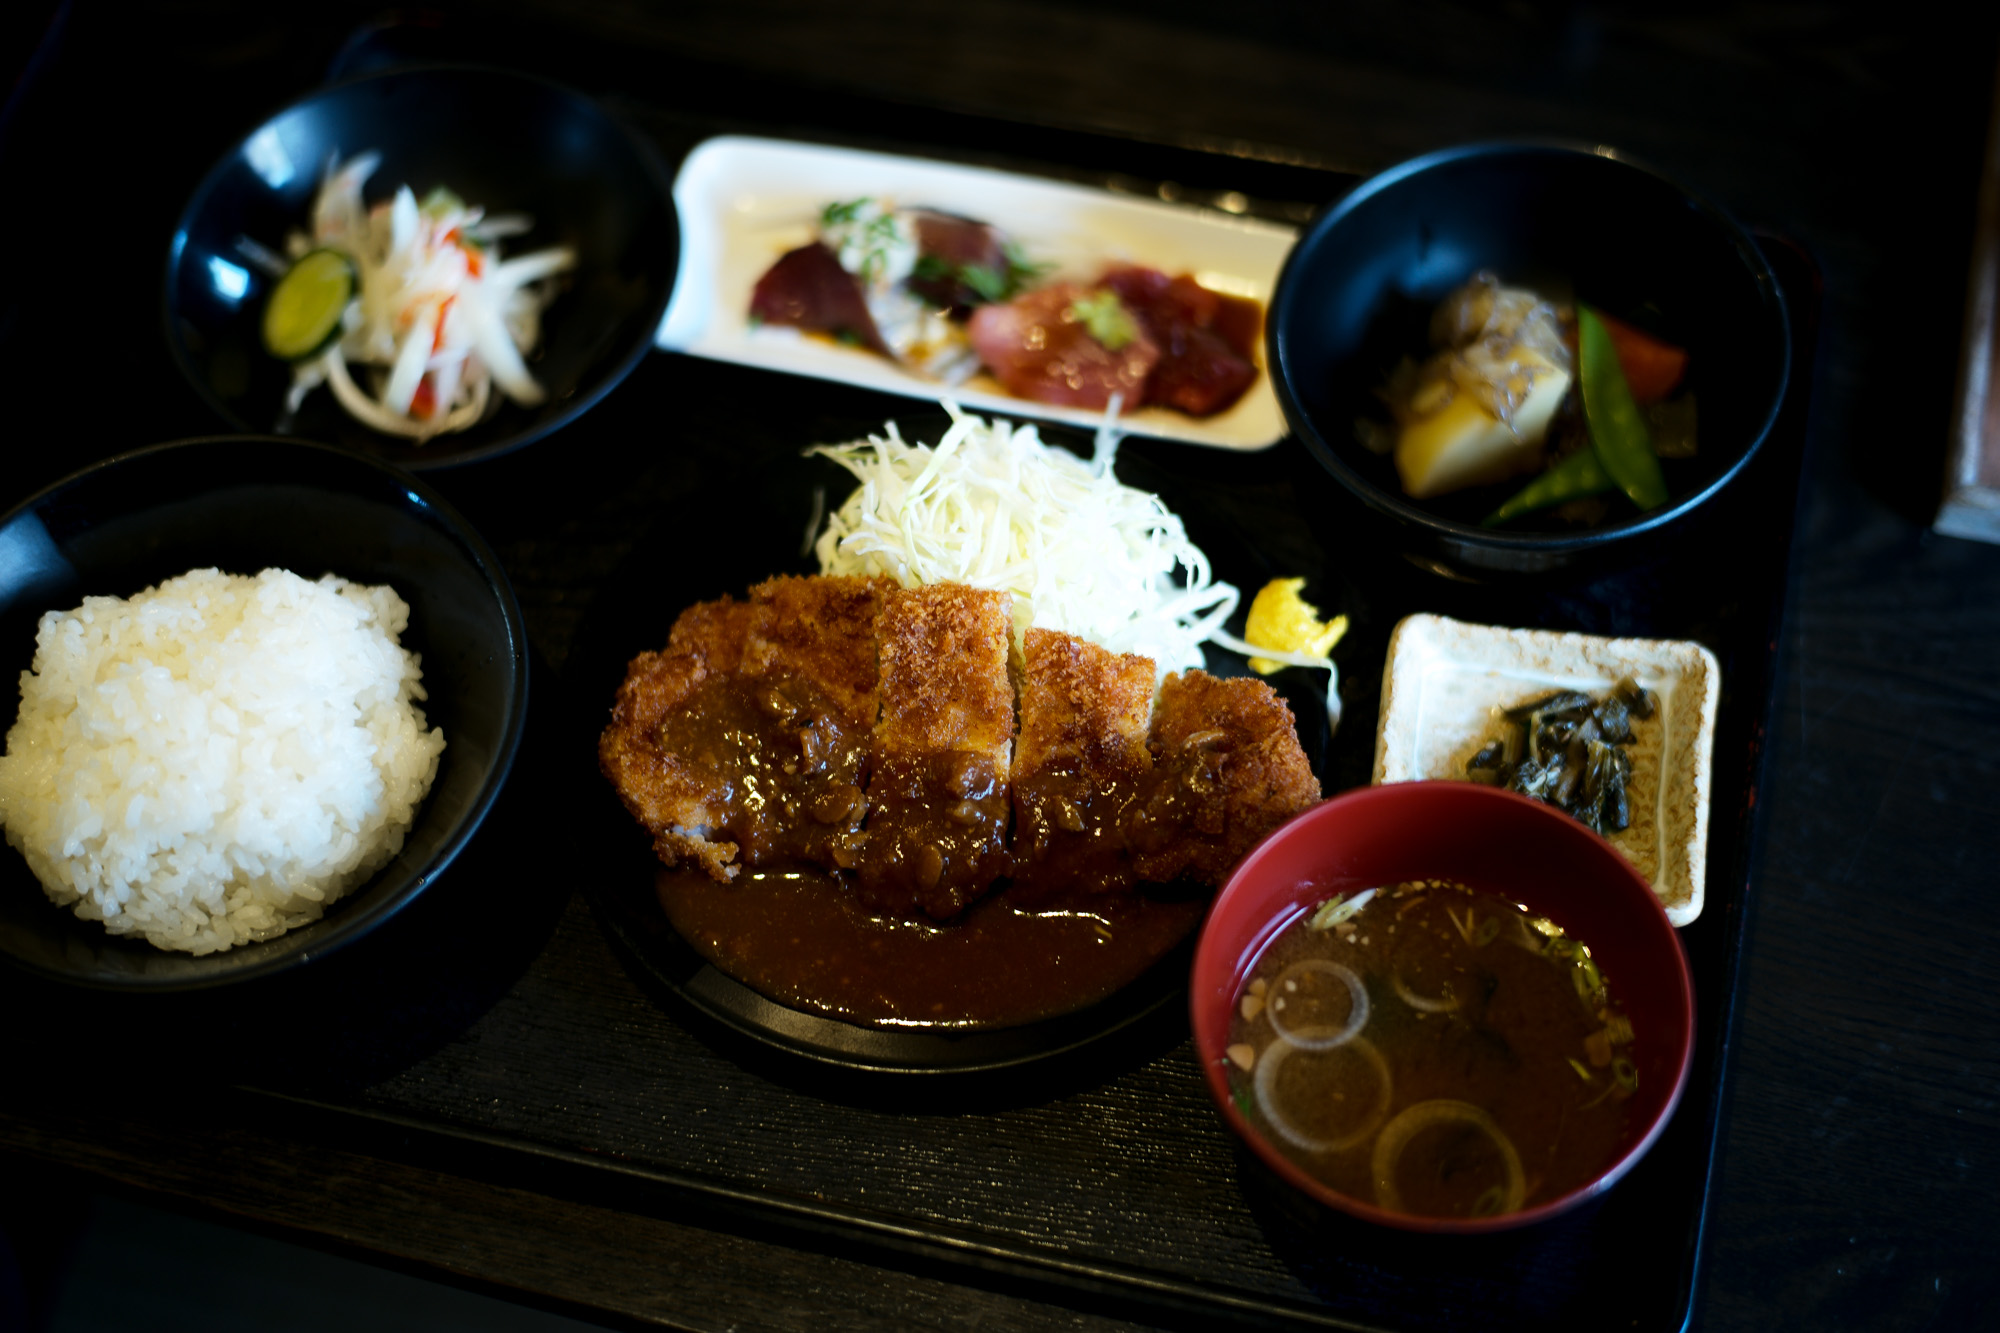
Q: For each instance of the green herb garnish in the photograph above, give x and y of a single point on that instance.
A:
(933, 268)
(986, 282)
(1105, 318)
(863, 234)
(991, 284)
(1022, 270)
(840, 214)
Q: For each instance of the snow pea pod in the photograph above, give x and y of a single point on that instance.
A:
(1580, 475)
(1617, 432)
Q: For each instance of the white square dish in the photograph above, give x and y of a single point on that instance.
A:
(1447, 682)
(743, 202)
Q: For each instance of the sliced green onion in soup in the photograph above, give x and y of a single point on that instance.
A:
(1266, 1082)
(1413, 1120)
(1288, 994)
(1423, 1004)
(1337, 909)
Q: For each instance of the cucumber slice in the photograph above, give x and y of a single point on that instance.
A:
(304, 312)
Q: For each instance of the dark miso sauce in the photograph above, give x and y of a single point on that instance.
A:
(1436, 1051)
(803, 938)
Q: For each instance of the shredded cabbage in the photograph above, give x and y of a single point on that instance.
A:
(992, 506)
(440, 319)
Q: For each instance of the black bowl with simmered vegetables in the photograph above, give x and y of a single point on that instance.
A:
(508, 143)
(1581, 228)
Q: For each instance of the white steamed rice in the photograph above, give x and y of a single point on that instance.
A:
(215, 760)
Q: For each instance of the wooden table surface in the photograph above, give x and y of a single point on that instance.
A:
(1860, 1143)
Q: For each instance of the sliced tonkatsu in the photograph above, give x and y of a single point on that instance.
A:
(672, 793)
(1078, 765)
(937, 824)
(1112, 790)
(852, 726)
(1227, 769)
(746, 741)
(821, 629)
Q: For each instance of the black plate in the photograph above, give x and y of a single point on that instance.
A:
(760, 533)
(244, 505)
(507, 142)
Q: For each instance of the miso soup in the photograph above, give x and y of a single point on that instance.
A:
(1433, 1050)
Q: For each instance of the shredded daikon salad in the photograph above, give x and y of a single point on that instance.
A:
(440, 318)
(993, 507)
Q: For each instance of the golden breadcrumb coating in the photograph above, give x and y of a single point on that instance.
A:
(1083, 708)
(1237, 746)
(858, 727)
(822, 628)
(937, 794)
(673, 798)
(944, 672)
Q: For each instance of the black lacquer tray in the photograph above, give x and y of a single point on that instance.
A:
(1102, 1179)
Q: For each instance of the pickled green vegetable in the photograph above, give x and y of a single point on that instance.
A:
(304, 313)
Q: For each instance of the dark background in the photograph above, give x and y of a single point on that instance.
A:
(1861, 1147)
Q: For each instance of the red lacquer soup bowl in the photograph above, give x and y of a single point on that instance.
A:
(1491, 841)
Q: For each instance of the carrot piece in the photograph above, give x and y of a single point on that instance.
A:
(1652, 368)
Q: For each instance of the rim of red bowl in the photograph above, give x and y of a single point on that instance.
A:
(1622, 922)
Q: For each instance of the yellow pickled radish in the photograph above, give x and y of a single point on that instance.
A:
(1285, 622)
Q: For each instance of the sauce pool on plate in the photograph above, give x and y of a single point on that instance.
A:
(1433, 1050)
(802, 938)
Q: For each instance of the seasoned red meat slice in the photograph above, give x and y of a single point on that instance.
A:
(1199, 374)
(955, 244)
(1204, 338)
(808, 289)
(1160, 300)
(1038, 348)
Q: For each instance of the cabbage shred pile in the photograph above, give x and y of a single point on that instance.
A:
(992, 506)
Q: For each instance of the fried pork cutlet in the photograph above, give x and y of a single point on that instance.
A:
(854, 726)
(746, 741)
(1079, 764)
(674, 796)
(1228, 769)
(937, 796)
(822, 629)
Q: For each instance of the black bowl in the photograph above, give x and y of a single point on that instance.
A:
(243, 505)
(510, 143)
(1356, 294)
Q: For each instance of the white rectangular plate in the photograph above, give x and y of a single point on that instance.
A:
(1447, 682)
(744, 202)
